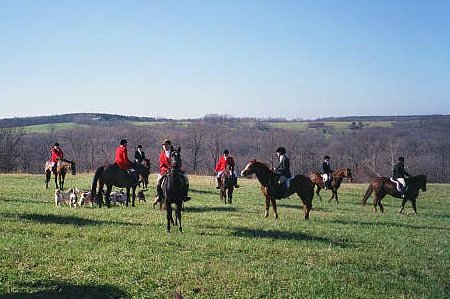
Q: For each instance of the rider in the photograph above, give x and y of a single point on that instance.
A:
(399, 174)
(283, 168)
(327, 172)
(164, 167)
(121, 157)
(56, 154)
(222, 163)
(139, 154)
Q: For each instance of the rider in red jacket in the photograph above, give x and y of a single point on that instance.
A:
(121, 158)
(225, 160)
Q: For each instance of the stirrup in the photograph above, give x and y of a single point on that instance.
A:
(187, 198)
(236, 186)
(217, 187)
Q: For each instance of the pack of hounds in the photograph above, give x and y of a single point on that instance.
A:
(79, 198)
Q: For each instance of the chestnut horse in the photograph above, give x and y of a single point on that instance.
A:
(299, 184)
(62, 166)
(336, 181)
(383, 186)
(226, 184)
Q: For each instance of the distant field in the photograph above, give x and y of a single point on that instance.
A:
(160, 123)
(225, 251)
(46, 128)
(337, 125)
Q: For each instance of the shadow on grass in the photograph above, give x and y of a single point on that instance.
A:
(58, 219)
(387, 224)
(22, 200)
(283, 235)
(63, 290)
(209, 209)
(203, 191)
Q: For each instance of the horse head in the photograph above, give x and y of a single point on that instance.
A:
(249, 168)
(175, 157)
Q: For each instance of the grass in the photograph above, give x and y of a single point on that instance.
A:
(225, 251)
(46, 128)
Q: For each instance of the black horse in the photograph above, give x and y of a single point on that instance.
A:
(112, 175)
(383, 186)
(59, 171)
(173, 189)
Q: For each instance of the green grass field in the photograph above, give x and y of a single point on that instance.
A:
(47, 128)
(225, 251)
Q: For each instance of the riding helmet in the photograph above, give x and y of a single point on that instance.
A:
(123, 142)
(226, 152)
(139, 146)
(166, 141)
(281, 150)
(56, 144)
(326, 157)
(401, 159)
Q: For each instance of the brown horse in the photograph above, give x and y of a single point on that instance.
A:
(336, 181)
(62, 166)
(299, 184)
(143, 177)
(226, 184)
(383, 186)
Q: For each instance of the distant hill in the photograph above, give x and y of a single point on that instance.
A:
(107, 119)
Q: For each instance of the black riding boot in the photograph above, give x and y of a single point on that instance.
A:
(235, 182)
(218, 183)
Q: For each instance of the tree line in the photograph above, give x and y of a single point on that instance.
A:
(424, 142)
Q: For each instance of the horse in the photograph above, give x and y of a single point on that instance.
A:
(143, 178)
(62, 166)
(226, 184)
(383, 186)
(111, 175)
(173, 189)
(299, 184)
(336, 181)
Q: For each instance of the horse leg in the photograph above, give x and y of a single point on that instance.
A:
(381, 206)
(336, 195)
(403, 205)
(266, 213)
(413, 201)
(133, 194)
(61, 181)
(332, 195)
(274, 206)
(56, 181)
(230, 195)
(128, 196)
(318, 192)
(107, 194)
(48, 175)
(178, 214)
(169, 215)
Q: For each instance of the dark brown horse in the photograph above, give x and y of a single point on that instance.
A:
(173, 189)
(226, 184)
(59, 171)
(336, 181)
(299, 184)
(111, 175)
(384, 186)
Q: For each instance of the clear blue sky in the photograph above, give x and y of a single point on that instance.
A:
(186, 58)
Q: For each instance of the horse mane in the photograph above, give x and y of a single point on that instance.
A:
(260, 162)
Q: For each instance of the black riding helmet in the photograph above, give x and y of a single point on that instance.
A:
(281, 150)
(326, 157)
(56, 144)
(401, 159)
(123, 142)
(226, 152)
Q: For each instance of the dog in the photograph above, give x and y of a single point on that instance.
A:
(141, 196)
(85, 198)
(118, 197)
(68, 197)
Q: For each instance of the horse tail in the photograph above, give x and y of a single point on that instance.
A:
(366, 196)
(98, 174)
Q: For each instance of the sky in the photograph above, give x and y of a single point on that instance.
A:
(181, 59)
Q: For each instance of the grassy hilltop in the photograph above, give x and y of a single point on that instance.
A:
(225, 251)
